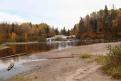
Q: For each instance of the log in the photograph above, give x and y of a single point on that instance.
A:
(10, 66)
(59, 57)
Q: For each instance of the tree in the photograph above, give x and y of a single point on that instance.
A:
(87, 24)
(113, 13)
(105, 11)
(68, 32)
(56, 31)
(81, 28)
(63, 31)
(93, 24)
(105, 23)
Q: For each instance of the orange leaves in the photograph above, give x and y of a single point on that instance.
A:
(1, 36)
(13, 36)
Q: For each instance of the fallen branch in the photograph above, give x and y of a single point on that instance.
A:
(71, 56)
(59, 57)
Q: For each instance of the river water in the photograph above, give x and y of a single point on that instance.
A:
(31, 49)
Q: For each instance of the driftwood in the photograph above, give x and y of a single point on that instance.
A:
(10, 66)
(61, 57)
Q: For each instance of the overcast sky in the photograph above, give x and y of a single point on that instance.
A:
(58, 13)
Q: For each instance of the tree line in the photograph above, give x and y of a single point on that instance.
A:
(103, 24)
(28, 32)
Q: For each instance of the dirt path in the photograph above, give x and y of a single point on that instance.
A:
(83, 72)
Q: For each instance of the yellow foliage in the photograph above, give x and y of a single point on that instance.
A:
(13, 36)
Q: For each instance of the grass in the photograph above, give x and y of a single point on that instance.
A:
(17, 78)
(101, 60)
(22, 78)
(85, 56)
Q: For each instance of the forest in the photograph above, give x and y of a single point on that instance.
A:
(103, 24)
(28, 32)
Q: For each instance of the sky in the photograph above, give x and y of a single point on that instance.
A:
(57, 13)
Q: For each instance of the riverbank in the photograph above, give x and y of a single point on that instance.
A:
(67, 69)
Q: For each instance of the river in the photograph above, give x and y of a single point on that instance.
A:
(32, 49)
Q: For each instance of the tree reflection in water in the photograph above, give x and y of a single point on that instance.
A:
(35, 47)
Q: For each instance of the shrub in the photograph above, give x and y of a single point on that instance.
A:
(101, 59)
(113, 64)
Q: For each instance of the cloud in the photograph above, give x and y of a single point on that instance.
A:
(58, 13)
(10, 18)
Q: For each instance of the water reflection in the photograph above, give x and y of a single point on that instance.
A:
(35, 47)
(62, 44)
(18, 60)
(31, 48)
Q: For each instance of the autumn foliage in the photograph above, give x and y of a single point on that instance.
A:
(104, 24)
(25, 32)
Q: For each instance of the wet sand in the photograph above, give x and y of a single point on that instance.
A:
(67, 69)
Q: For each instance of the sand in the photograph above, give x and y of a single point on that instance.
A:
(67, 69)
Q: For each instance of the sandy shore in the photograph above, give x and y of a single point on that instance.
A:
(67, 69)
